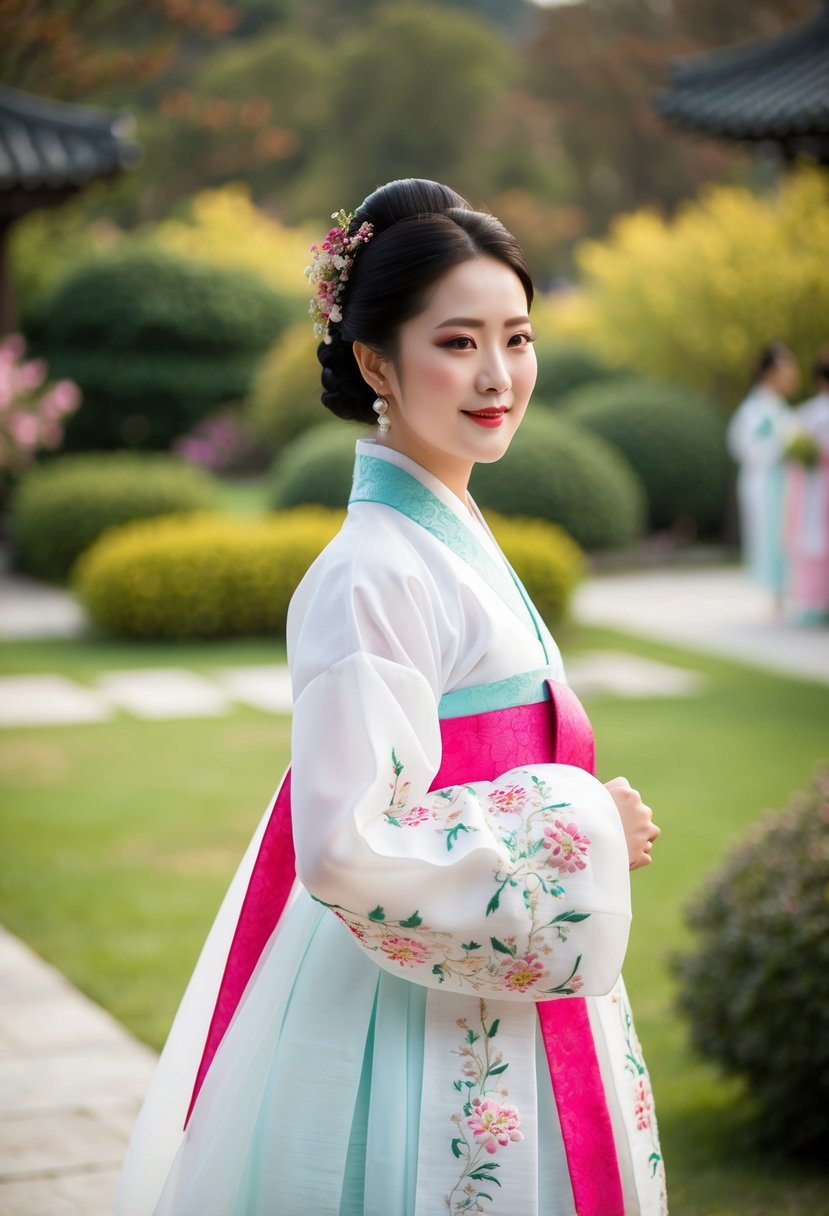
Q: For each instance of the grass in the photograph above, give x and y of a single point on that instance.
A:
(119, 839)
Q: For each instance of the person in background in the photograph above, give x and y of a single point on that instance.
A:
(806, 598)
(756, 438)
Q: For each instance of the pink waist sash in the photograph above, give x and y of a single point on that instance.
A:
(479, 747)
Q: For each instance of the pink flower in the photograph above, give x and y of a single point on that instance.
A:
(567, 847)
(417, 814)
(495, 1125)
(576, 983)
(24, 428)
(63, 397)
(523, 973)
(642, 1105)
(31, 375)
(508, 800)
(407, 951)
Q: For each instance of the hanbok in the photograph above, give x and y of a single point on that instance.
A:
(410, 1002)
(756, 437)
(806, 599)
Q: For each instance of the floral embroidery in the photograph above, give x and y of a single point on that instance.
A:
(486, 1124)
(567, 847)
(642, 1097)
(511, 799)
(524, 972)
(407, 951)
(416, 816)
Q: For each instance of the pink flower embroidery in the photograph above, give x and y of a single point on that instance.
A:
(508, 800)
(415, 816)
(522, 973)
(495, 1125)
(567, 847)
(357, 930)
(407, 951)
(576, 982)
(642, 1105)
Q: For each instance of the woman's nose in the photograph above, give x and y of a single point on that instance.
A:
(494, 377)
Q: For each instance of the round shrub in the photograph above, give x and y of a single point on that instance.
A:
(155, 343)
(563, 367)
(202, 576)
(674, 439)
(62, 507)
(549, 563)
(317, 467)
(558, 472)
(285, 397)
(755, 984)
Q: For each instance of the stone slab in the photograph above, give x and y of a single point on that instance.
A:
(267, 687)
(164, 692)
(614, 673)
(48, 700)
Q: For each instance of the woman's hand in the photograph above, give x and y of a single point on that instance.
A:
(637, 821)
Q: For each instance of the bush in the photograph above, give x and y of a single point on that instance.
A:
(61, 508)
(155, 343)
(692, 299)
(285, 397)
(673, 438)
(549, 563)
(210, 576)
(204, 576)
(317, 467)
(755, 986)
(558, 472)
(563, 367)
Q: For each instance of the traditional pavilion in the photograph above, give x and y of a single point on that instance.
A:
(773, 93)
(50, 150)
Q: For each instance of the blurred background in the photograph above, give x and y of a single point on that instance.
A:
(167, 475)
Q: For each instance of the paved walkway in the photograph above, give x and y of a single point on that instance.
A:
(71, 1078)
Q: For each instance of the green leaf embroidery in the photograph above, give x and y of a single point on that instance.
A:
(377, 914)
(493, 1030)
(572, 917)
(413, 921)
(471, 1037)
(456, 1146)
(470, 945)
(499, 1068)
(452, 835)
(398, 767)
(438, 971)
(501, 948)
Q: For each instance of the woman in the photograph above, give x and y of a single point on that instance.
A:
(756, 438)
(398, 1032)
(806, 599)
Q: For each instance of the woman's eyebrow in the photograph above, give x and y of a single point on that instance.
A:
(475, 323)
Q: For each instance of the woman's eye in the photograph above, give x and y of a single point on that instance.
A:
(461, 343)
(521, 339)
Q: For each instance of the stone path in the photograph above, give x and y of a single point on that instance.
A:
(71, 1083)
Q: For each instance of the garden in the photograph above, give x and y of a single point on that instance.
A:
(164, 459)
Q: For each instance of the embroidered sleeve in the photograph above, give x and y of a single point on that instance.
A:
(517, 888)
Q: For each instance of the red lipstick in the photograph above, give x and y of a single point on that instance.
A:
(491, 416)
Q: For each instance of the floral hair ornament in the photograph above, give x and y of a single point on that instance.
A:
(333, 259)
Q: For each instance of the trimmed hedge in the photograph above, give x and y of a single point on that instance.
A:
(204, 576)
(674, 439)
(285, 397)
(62, 507)
(210, 576)
(755, 985)
(566, 366)
(553, 470)
(317, 467)
(155, 342)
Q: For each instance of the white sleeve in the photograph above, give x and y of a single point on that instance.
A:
(516, 888)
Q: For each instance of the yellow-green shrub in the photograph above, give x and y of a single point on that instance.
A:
(694, 298)
(211, 576)
(201, 576)
(549, 562)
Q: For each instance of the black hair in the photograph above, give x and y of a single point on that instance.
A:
(770, 356)
(422, 229)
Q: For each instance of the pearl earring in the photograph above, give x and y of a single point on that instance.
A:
(381, 408)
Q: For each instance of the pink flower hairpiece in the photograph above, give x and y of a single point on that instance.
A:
(333, 259)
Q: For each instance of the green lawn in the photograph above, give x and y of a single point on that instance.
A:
(118, 841)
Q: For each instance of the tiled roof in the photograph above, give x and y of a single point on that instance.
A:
(771, 90)
(49, 149)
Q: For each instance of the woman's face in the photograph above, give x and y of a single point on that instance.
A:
(464, 372)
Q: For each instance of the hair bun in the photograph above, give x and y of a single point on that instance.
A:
(344, 391)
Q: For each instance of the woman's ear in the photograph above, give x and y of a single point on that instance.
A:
(373, 367)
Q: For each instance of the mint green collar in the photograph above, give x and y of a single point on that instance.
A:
(378, 480)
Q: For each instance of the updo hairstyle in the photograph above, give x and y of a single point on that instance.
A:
(421, 230)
